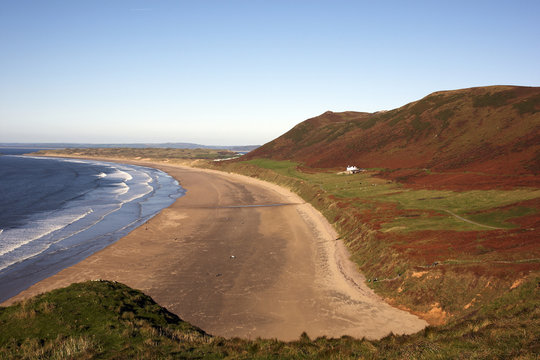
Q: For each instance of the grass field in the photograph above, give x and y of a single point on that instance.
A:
(364, 191)
(106, 320)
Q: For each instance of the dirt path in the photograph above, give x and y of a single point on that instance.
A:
(235, 269)
(470, 221)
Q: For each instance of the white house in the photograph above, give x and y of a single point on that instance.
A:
(352, 169)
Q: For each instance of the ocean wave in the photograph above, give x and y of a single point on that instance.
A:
(147, 178)
(121, 188)
(40, 234)
(119, 198)
(137, 187)
(12, 239)
(135, 192)
(119, 174)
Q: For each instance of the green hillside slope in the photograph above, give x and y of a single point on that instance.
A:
(492, 133)
(104, 320)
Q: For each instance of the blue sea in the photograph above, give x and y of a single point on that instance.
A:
(56, 212)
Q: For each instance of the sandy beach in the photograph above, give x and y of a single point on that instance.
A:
(241, 257)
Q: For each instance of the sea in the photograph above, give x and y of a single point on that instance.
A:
(55, 212)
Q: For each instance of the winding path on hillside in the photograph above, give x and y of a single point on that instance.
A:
(223, 262)
(470, 221)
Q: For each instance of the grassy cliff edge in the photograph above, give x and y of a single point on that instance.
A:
(101, 319)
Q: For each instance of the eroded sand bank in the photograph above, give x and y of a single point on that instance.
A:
(246, 271)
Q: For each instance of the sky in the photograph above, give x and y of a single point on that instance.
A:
(243, 72)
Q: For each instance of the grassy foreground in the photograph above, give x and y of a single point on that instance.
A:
(101, 319)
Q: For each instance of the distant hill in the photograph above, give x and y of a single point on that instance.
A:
(491, 130)
(239, 148)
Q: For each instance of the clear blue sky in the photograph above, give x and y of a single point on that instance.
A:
(242, 72)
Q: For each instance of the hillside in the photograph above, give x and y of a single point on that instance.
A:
(485, 137)
(446, 216)
(106, 320)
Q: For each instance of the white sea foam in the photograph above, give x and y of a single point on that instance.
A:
(137, 186)
(147, 178)
(134, 195)
(13, 239)
(63, 229)
(59, 239)
(119, 175)
(121, 188)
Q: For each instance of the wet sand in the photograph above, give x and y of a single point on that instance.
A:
(223, 262)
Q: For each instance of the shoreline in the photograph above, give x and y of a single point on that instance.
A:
(102, 218)
(241, 270)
